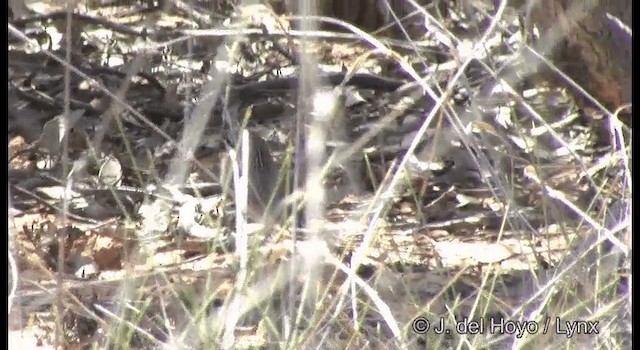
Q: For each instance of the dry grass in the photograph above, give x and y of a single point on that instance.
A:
(476, 196)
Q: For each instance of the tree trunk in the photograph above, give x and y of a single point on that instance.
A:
(595, 44)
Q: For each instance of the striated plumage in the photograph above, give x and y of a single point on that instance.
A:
(266, 189)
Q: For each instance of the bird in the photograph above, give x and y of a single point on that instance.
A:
(266, 188)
